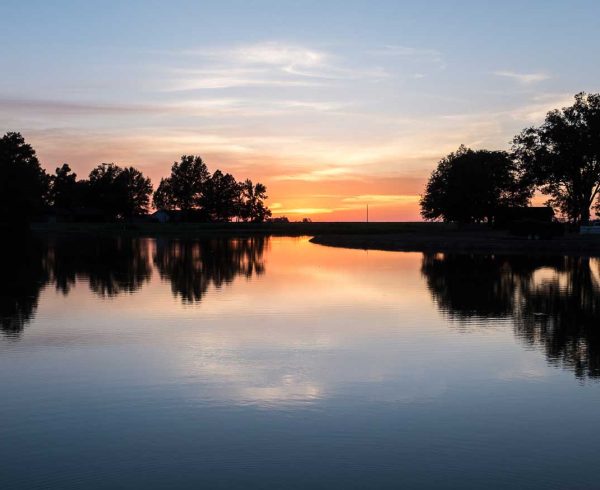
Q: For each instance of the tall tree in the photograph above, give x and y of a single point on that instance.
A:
(220, 197)
(119, 192)
(23, 182)
(63, 188)
(136, 191)
(184, 187)
(470, 186)
(562, 156)
(102, 192)
(252, 202)
(162, 198)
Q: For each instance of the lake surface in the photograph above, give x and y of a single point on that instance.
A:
(276, 363)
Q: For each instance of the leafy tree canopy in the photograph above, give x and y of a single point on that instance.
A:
(218, 197)
(562, 156)
(471, 185)
(252, 201)
(23, 182)
(119, 192)
(183, 189)
(63, 188)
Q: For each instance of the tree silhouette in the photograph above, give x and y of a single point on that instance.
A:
(470, 186)
(252, 202)
(119, 192)
(562, 156)
(63, 192)
(216, 197)
(220, 197)
(23, 182)
(184, 188)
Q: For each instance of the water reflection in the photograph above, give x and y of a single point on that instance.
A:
(23, 275)
(192, 266)
(116, 265)
(561, 315)
(553, 302)
(110, 266)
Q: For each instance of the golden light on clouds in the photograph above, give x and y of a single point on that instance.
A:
(328, 133)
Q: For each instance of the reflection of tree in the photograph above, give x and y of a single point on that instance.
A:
(23, 276)
(116, 265)
(192, 266)
(111, 265)
(478, 285)
(559, 312)
(563, 318)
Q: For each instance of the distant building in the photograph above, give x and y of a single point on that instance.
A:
(592, 229)
(178, 216)
(162, 216)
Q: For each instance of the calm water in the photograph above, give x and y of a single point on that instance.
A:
(256, 363)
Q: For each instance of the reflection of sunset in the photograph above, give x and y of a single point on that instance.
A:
(316, 319)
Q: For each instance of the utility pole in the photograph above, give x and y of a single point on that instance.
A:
(367, 213)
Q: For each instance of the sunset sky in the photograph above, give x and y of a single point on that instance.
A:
(332, 104)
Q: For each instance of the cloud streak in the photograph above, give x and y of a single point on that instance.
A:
(267, 64)
(425, 54)
(523, 78)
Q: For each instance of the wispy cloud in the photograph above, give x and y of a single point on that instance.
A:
(320, 174)
(267, 53)
(422, 55)
(382, 199)
(73, 107)
(351, 203)
(408, 51)
(523, 78)
(199, 107)
(307, 210)
(318, 106)
(183, 79)
(269, 64)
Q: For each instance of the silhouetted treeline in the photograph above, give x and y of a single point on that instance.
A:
(218, 197)
(557, 311)
(112, 266)
(111, 192)
(560, 158)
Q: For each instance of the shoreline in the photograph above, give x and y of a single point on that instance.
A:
(465, 243)
(243, 229)
(401, 237)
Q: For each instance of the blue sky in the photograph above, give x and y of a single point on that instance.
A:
(332, 104)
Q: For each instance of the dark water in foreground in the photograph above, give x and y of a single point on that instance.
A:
(255, 363)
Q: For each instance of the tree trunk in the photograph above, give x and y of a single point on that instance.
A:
(585, 214)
